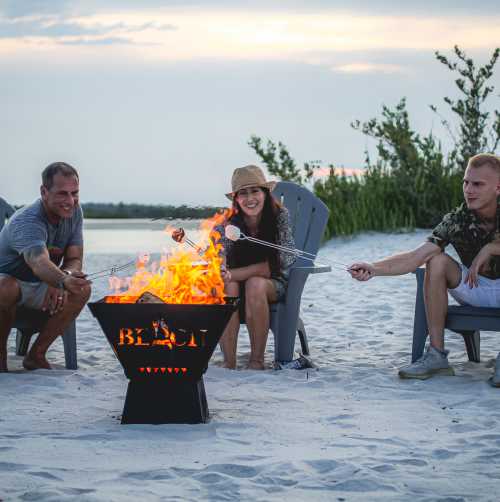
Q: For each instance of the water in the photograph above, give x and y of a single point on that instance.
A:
(134, 236)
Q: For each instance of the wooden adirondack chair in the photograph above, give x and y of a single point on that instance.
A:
(308, 216)
(465, 320)
(29, 321)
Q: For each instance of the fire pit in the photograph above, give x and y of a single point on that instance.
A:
(164, 350)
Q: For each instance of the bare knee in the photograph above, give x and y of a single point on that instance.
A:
(10, 292)
(443, 266)
(255, 290)
(82, 297)
(438, 264)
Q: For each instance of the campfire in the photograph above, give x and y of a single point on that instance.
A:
(186, 275)
(163, 323)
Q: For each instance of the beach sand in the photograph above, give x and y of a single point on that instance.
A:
(352, 430)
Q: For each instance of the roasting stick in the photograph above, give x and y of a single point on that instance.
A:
(233, 233)
(119, 268)
(110, 271)
(179, 236)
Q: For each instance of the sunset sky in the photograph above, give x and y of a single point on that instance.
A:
(154, 101)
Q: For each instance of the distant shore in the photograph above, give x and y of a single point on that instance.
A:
(126, 211)
(122, 210)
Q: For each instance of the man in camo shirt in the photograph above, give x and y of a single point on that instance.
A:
(473, 229)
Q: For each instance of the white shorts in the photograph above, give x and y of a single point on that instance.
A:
(32, 293)
(486, 294)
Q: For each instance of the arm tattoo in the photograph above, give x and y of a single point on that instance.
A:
(32, 254)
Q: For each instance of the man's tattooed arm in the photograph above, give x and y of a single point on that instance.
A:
(73, 259)
(38, 260)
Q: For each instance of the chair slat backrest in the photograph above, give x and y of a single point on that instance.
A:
(6, 211)
(308, 216)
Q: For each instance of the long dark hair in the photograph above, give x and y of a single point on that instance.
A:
(268, 224)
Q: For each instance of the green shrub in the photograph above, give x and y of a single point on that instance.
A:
(412, 182)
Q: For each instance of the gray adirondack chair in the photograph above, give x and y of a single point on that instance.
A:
(30, 321)
(308, 216)
(465, 320)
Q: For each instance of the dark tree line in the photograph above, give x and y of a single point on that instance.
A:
(122, 210)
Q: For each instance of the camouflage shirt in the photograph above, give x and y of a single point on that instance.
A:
(468, 234)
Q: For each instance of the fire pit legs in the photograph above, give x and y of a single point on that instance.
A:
(165, 402)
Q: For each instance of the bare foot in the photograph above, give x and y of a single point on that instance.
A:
(255, 365)
(228, 365)
(36, 363)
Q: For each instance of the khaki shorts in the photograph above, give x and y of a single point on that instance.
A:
(487, 294)
(32, 293)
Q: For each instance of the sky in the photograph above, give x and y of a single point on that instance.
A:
(154, 101)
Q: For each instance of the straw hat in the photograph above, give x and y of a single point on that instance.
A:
(248, 176)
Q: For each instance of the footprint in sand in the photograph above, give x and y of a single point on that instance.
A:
(234, 470)
(323, 466)
(443, 454)
(44, 475)
(155, 475)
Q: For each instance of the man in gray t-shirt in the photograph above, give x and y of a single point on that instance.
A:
(41, 253)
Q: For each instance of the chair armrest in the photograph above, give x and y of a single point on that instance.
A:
(297, 279)
(312, 270)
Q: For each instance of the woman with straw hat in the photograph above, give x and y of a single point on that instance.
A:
(258, 274)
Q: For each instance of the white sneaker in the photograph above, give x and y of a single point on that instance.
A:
(495, 379)
(433, 362)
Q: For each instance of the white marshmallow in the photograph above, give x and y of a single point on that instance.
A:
(232, 232)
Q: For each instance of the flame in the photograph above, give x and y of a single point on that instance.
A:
(182, 276)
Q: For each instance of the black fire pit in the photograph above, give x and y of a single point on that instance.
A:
(164, 350)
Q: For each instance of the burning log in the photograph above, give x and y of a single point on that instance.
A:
(148, 297)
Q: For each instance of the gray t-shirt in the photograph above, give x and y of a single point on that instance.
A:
(28, 228)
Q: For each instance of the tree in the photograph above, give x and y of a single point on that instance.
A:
(279, 162)
(412, 181)
(478, 132)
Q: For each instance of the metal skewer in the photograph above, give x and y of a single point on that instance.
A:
(181, 238)
(233, 233)
(110, 271)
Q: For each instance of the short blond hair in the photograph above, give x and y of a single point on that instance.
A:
(482, 159)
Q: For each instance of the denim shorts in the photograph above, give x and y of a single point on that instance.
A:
(486, 294)
(32, 293)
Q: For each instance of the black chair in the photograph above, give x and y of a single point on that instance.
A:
(30, 321)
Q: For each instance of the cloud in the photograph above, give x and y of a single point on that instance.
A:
(369, 68)
(50, 28)
(98, 41)
(237, 34)
(22, 29)
(17, 9)
(148, 26)
(444, 8)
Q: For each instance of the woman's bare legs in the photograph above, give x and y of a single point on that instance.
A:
(229, 339)
(259, 293)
